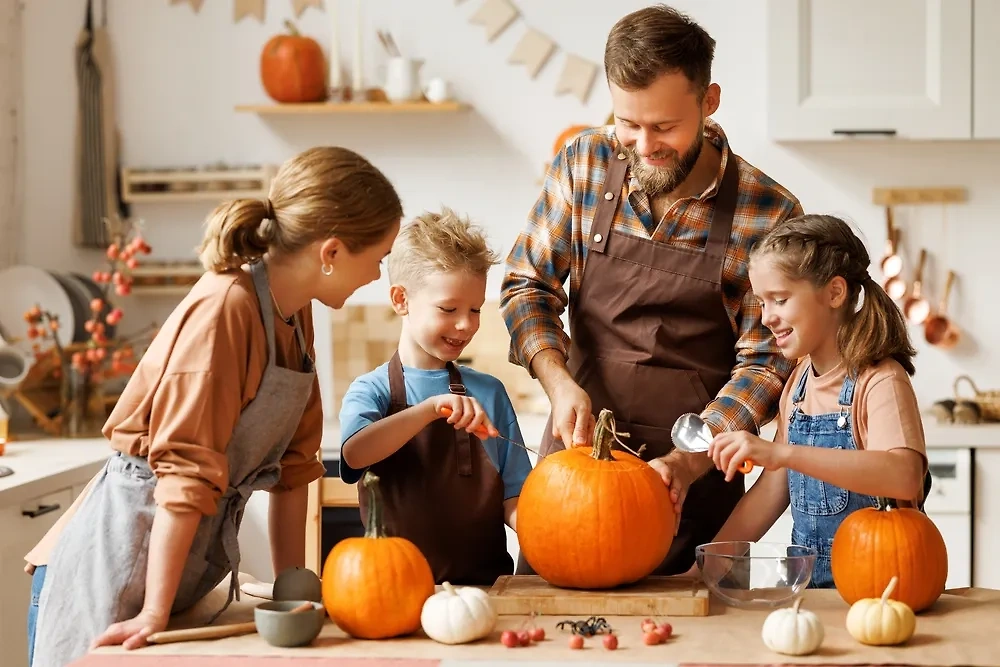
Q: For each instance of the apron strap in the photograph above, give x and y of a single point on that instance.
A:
(397, 388)
(725, 208)
(606, 207)
(259, 273)
(463, 443)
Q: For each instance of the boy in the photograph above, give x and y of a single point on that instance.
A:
(443, 488)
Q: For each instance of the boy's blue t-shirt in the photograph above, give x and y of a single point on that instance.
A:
(367, 401)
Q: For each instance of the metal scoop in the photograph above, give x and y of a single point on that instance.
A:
(691, 434)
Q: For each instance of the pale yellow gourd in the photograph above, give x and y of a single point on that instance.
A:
(792, 631)
(881, 621)
(458, 615)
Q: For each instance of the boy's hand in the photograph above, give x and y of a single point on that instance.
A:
(466, 413)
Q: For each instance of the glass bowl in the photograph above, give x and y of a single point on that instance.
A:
(755, 575)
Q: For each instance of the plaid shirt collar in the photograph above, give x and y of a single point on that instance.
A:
(714, 133)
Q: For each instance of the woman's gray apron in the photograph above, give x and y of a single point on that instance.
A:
(97, 571)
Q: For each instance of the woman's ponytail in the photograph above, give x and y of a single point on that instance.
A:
(237, 232)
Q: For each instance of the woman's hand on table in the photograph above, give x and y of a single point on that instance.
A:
(132, 634)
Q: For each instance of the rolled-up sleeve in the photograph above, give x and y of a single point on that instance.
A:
(532, 296)
(192, 420)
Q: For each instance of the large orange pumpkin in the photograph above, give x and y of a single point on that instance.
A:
(292, 68)
(875, 544)
(566, 135)
(593, 518)
(374, 587)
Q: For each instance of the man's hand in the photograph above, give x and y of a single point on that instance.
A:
(572, 419)
(677, 477)
(730, 449)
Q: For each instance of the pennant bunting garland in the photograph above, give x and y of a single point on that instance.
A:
(299, 6)
(195, 4)
(533, 51)
(495, 16)
(244, 8)
(577, 77)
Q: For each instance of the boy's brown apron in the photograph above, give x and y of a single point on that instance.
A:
(651, 340)
(441, 491)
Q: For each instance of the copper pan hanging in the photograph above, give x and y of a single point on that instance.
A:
(892, 261)
(939, 329)
(916, 308)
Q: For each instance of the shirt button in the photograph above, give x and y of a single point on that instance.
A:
(621, 156)
(608, 196)
(598, 238)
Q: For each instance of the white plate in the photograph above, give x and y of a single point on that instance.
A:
(22, 287)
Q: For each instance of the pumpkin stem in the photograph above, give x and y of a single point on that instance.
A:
(798, 603)
(291, 28)
(886, 504)
(375, 528)
(605, 436)
(888, 589)
(449, 589)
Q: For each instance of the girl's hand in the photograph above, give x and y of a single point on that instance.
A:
(730, 449)
(132, 633)
(466, 413)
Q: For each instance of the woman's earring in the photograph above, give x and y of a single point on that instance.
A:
(327, 269)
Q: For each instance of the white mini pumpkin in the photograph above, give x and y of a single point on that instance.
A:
(881, 621)
(458, 615)
(792, 631)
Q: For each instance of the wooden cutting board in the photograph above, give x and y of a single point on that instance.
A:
(653, 596)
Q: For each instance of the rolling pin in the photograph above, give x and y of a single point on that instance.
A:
(212, 631)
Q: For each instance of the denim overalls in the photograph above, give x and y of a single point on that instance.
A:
(819, 507)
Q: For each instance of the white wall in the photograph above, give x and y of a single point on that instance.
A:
(180, 75)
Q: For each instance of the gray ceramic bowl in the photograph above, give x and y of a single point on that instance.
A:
(278, 627)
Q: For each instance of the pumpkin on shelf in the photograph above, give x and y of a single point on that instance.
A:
(881, 621)
(876, 543)
(566, 135)
(293, 68)
(792, 631)
(593, 518)
(375, 587)
(458, 615)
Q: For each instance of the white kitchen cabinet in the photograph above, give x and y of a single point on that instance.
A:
(856, 68)
(986, 70)
(21, 526)
(986, 519)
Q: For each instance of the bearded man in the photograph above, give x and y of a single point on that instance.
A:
(651, 220)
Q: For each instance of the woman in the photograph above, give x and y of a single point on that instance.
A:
(224, 402)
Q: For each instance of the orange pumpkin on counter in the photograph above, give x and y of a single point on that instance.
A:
(374, 587)
(875, 544)
(593, 518)
(293, 68)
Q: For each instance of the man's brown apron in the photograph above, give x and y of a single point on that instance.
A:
(651, 340)
(442, 492)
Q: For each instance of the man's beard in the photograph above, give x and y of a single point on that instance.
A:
(656, 180)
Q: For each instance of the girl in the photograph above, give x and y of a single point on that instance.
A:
(849, 426)
(224, 402)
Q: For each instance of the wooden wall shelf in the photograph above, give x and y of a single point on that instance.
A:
(911, 196)
(351, 107)
(195, 184)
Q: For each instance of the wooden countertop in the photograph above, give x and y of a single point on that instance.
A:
(956, 631)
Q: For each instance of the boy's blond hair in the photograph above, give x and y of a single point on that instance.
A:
(439, 242)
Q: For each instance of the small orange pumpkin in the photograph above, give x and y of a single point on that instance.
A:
(593, 518)
(374, 587)
(566, 135)
(293, 68)
(875, 544)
